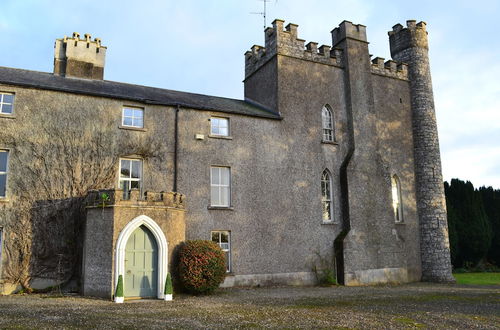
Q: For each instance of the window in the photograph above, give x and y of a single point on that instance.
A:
(326, 196)
(219, 126)
(223, 238)
(220, 186)
(1, 241)
(133, 117)
(130, 175)
(396, 199)
(328, 127)
(4, 157)
(6, 103)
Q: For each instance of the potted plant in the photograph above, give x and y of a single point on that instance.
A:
(168, 288)
(119, 291)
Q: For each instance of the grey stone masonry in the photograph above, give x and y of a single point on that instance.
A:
(410, 45)
(389, 68)
(286, 42)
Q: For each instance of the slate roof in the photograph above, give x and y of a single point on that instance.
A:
(144, 94)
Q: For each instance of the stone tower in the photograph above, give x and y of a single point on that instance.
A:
(410, 45)
(79, 58)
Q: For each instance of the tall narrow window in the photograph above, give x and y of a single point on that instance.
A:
(4, 157)
(219, 126)
(130, 175)
(326, 196)
(223, 238)
(397, 205)
(6, 103)
(328, 126)
(133, 117)
(220, 186)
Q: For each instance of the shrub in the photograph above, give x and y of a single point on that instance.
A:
(119, 287)
(202, 266)
(168, 285)
(324, 269)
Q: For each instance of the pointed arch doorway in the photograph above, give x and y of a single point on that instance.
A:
(141, 258)
(141, 264)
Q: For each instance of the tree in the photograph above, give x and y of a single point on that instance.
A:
(470, 221)
(491, 199)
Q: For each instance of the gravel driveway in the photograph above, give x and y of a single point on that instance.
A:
(417, 305)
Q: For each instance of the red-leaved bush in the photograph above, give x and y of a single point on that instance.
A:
(202, 266)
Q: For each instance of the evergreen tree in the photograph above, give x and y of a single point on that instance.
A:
(491, 200)
(456, 260)
(470, 222)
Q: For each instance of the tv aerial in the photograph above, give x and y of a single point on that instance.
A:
(263, 13)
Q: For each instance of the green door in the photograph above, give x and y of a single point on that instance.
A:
(141, 264)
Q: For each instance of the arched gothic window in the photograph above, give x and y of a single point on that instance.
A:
(326, 196)
(328, 124)
(397, 204)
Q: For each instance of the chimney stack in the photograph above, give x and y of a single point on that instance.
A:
(79, 58)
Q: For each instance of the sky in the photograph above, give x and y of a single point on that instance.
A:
(198, 45)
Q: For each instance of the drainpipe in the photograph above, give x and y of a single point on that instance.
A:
(338, 243)
(176, 145)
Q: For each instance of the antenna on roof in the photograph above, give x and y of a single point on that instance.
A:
(263, 13)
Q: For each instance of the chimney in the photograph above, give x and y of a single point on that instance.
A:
(79, 58)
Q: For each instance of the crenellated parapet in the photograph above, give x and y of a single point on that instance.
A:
(81, 58)
(116, 197)
(285, 41)
(389, 68)
(414, 35)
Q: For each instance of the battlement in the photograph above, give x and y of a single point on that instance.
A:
(413, 35)
(284, 41)
(349, 30)
(115, 197)
(389, 68)
(83, 58)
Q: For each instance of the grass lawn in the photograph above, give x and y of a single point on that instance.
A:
(478, 278)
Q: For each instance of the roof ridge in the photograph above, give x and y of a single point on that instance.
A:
(127, 91)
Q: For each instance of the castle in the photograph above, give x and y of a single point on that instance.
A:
(330, 161)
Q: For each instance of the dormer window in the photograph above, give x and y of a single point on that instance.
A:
(133, 117)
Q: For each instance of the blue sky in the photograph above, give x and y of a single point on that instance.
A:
(198, 46)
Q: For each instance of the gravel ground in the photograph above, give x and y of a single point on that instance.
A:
(381, 307)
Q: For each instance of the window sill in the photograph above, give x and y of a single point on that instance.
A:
(227, 208)
(7, 116)
(132, 128)
(400, 223)
(330, 223)
(220, 137)
(330, 142)
(4, 200)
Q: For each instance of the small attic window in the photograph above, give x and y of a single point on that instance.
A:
(133, 117)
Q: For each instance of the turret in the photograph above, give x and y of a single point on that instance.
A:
(410, 45)
(80, 58)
